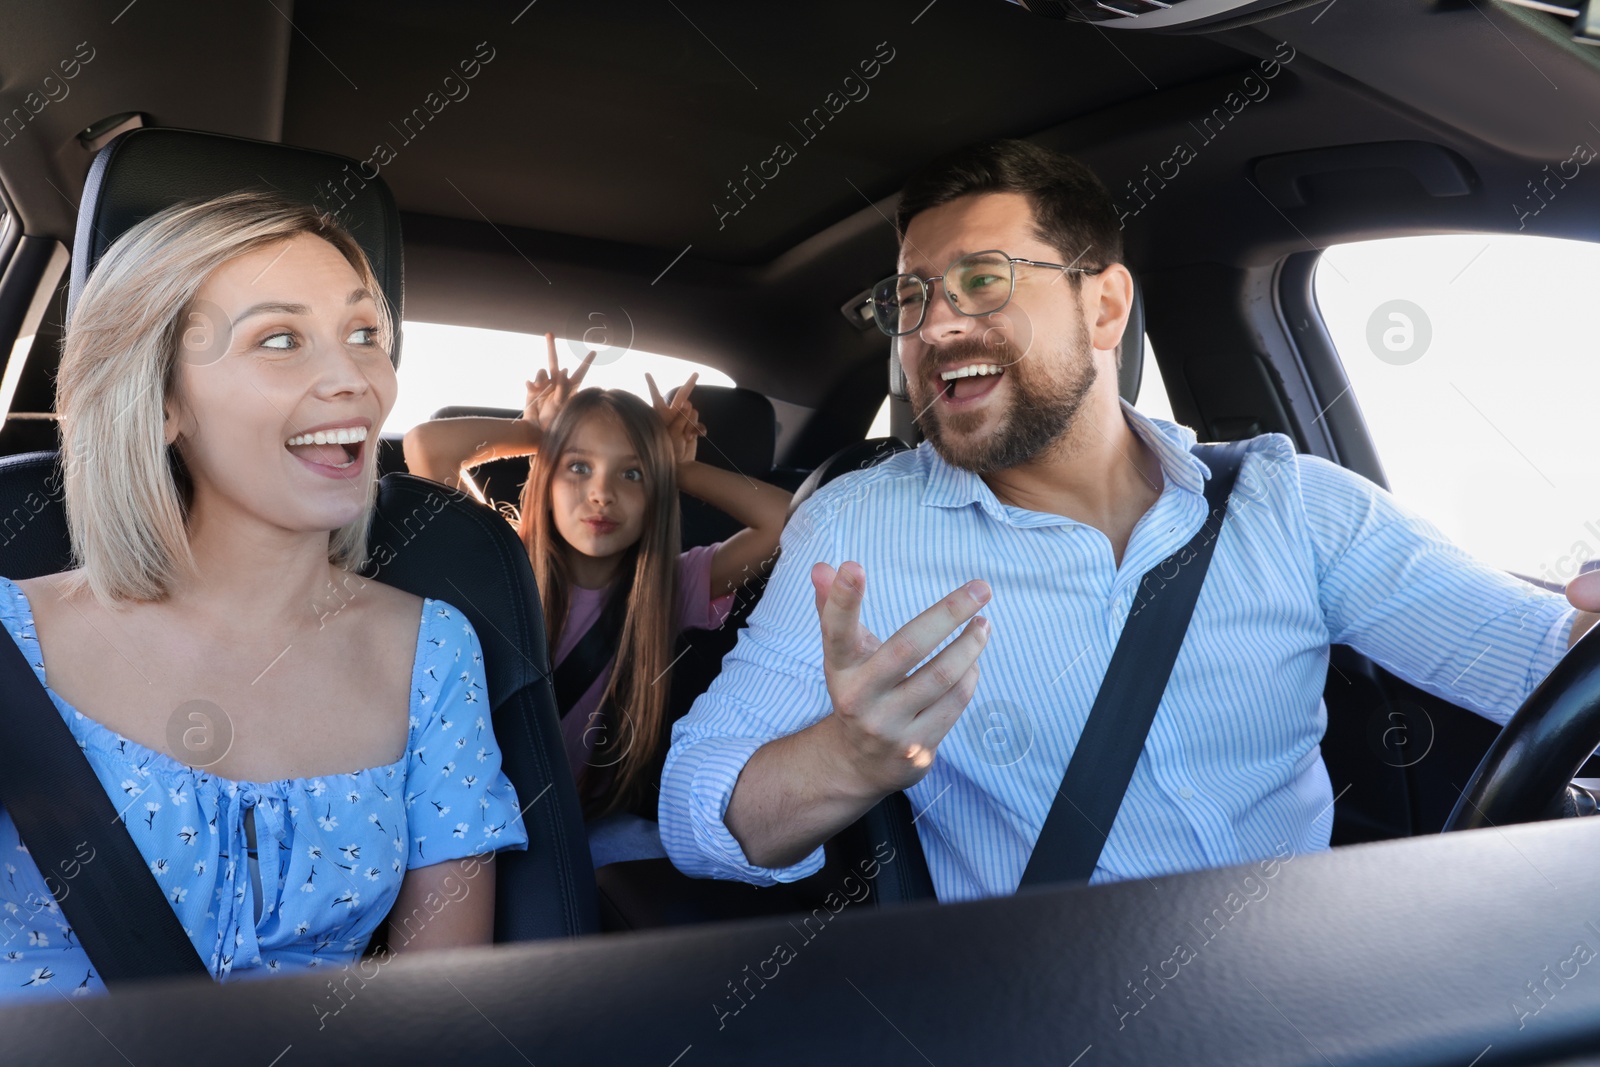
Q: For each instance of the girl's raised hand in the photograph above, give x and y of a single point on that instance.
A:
(551, 389)
(679, 417)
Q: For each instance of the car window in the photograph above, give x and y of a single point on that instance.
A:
(443, 365)
(1471, 358)
(17, 358)
(11, 377)
(880, 421)
(1152, 398)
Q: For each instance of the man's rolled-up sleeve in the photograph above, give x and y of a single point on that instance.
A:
(771, 685)
(1396, 589)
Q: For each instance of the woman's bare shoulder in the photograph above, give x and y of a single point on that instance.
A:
(392, 597)
(40, 583)
(390, 607)
(381, 620)
(46, 591)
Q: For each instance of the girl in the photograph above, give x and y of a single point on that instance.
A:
(277, 763)
(599, 516)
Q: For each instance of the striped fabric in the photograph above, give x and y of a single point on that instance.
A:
(1311, 555)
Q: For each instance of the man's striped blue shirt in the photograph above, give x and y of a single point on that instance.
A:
(1310, 555)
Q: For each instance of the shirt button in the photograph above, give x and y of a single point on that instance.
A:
(1186, 793)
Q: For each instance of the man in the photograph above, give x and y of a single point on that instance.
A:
(1055, 498)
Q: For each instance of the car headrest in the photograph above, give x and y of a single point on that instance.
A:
(1132, 365)
(462, 411)
(742, 428)
(853, 457)
(146, 170)
(1128, 373)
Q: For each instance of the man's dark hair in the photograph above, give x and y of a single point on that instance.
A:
(1072, 210)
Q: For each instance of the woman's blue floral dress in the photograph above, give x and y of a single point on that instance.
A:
(332, 850)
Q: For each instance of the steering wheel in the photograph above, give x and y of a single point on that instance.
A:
(1524, 777)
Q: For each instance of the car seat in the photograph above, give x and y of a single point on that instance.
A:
(433, 542)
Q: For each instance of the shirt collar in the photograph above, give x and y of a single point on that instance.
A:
(953, 487)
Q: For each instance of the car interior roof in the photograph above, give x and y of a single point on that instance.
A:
(585, 167)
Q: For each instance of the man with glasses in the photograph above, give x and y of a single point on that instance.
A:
(1042, 499)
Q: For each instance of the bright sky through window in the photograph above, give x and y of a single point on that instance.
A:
(464, 365)
(1471, 357)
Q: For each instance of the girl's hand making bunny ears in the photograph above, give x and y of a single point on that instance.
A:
(680, 418)
(551, 389)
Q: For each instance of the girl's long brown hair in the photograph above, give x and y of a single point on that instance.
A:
(636, 694)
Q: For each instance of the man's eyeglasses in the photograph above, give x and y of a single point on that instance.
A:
(976, 284)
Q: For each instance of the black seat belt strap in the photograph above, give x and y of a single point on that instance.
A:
(79, 843)
(593, 651)
(1097, 776)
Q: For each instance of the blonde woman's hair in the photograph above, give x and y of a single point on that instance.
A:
(127, 492)
(636, 694)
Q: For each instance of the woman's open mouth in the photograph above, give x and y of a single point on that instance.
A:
(333, 453)
(969, 384)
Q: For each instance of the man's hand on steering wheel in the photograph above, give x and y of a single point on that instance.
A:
(1583, 592)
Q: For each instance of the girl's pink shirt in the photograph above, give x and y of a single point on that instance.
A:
(696, 610)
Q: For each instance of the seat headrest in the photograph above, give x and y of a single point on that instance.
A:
(1128, 373)
(144, 171)
(1132, 366)
(462, 411)
(741, 425)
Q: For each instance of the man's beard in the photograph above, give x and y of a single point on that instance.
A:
(1041, 411)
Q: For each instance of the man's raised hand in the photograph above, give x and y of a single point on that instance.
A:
(888, 725)
(1583, 593)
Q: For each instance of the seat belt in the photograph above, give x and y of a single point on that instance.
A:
(1097, 776)
(593, 651)
(108, 894)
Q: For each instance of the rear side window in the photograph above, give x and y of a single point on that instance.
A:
(1473, 360)
(12, 361)
(446, 366)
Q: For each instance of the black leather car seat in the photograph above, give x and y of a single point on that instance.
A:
(430, 541)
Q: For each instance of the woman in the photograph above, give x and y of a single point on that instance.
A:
(297, 752)
(599, 516)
